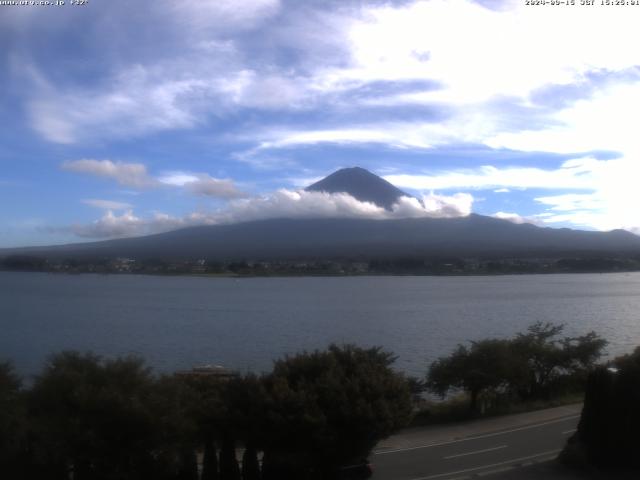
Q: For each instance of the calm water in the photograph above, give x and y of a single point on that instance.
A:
(178, 322)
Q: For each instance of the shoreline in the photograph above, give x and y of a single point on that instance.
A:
(322, 275)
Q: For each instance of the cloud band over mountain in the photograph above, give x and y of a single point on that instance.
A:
(280, 204)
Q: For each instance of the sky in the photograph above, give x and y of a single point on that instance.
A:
(123, 118)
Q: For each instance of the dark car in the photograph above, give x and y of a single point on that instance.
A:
(359, 470)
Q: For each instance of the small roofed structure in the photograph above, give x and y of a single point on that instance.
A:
(209, 371)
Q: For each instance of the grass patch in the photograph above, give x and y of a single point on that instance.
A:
(456, 408)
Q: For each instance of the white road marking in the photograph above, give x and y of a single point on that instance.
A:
(476, 452)
(567, 432)
(528, 427)
(466, 470)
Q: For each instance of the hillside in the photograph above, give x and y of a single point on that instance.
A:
(287, 239)
(340, 238)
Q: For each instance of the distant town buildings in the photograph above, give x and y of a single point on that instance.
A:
(376, 266)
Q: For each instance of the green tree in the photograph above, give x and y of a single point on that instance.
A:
(330, 407)
(173, 402)
(541, 358)
(530, 365)
(596, 427)
(538, 360)
(245, 409)
(483, 367)
(582, 352)
(610, 420)
(95, 417)
(12, 423)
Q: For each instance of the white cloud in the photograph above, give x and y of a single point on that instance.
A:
(206, 76)
(138, 101)
(107, 204)
(219, 69)
(202, 184)
(476, 53)
(47, 119)
(403, 135)
(299, 204)
(572, 201)
(254, 90)
(434, 205)
(303, 182)
(280, 204)
(170, 95)
(111, 226)
(516, 218)
(136, 175)
(214, 187)
(304, 204)
(221, 15)
(423, 41)
(469, 124)
(128, 174)
(187, 77)
(127, 224)
(606, 208)
(573, 174)
(604, 196)
(177, 178)
(480, 69)
(375, 134)
(604, 122)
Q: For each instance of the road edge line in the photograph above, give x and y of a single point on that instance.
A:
(477, 437)
(506, 462)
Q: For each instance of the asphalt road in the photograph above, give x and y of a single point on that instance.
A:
(475, 454)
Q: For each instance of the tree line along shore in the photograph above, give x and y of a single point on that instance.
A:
(496, 265)
(314, 416)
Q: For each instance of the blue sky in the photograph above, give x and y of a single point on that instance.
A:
(126, 118)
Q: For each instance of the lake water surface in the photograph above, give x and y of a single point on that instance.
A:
(245, 323)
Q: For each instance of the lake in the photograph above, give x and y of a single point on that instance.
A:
(246, 323)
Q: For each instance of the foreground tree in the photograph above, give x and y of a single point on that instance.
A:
(95, 418)
(329, 408)
(250, 464)
(187, 464)
(245, 402)
(541, 358)
(483, 367)
(210, 461)
(229, 468)
(533, 364)
(607, 435)
(206, 414)
(12, 423)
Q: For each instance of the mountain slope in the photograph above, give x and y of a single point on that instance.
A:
(474, 235)
(327, 238)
